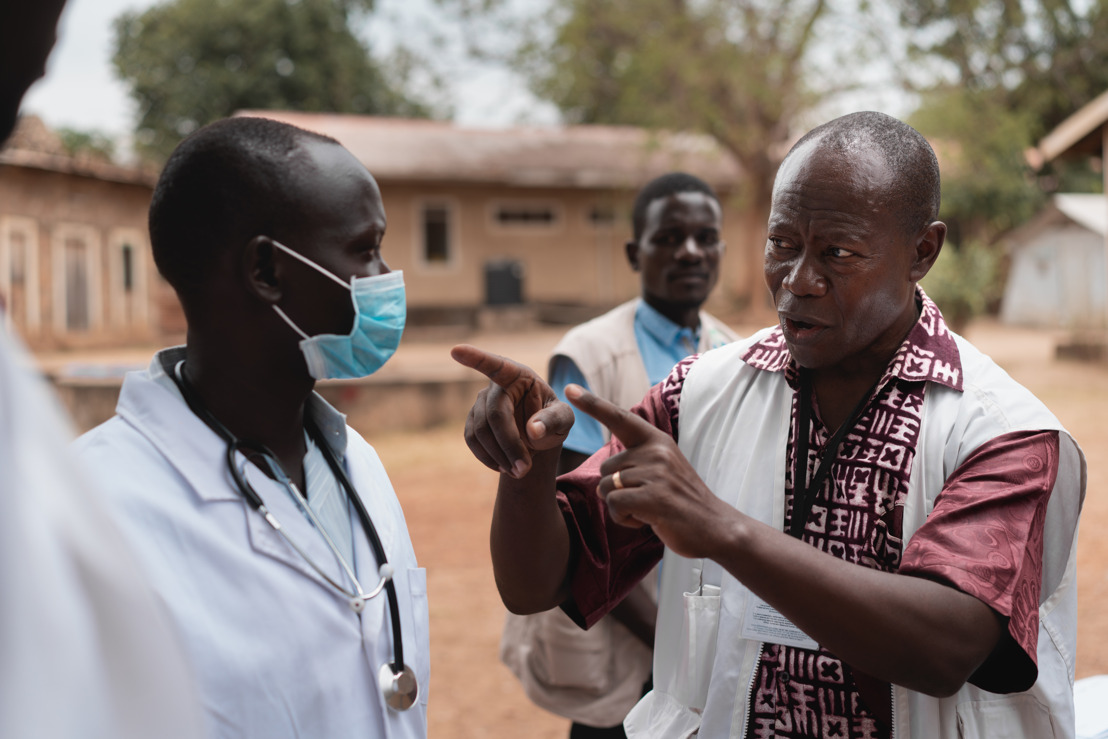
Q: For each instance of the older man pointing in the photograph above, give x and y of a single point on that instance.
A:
(867, 527)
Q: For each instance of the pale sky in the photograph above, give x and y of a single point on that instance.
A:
(80, 89)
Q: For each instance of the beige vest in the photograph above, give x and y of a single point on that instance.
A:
(607, 353)
(593, 677)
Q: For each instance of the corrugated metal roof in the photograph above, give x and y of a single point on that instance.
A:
(1090, 211)
(569, 156)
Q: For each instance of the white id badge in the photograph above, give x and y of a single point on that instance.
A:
(764, 623)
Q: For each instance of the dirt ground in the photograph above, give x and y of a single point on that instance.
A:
(447, 497)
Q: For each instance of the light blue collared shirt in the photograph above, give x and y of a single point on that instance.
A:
(662, 344)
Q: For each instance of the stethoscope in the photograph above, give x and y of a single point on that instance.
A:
(397, 680)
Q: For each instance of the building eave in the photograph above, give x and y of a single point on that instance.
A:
(1080, 134)
(579, 157)
(93, 169)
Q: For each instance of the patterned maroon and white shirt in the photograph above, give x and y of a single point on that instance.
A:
(983, 537)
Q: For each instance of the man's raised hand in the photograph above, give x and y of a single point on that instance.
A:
(651, 483)
(516, 415)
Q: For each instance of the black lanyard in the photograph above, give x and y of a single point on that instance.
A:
(804, 495)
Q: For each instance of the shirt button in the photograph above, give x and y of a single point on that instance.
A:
(783, 677)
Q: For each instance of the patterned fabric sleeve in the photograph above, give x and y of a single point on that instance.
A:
(985, 538)
(612, 559)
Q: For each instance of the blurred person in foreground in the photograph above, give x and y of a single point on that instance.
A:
(85, 648)
(269, 526)
(867, 528)
(595, 677)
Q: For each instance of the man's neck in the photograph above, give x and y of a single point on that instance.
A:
(253, 398)
(838, 389)
(837, 397)
(683, 315)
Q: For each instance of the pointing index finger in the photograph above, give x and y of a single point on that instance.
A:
(624, 425)
(500, 370)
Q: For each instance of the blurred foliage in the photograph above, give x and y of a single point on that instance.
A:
(189, 62)
(749, 73)
(743, 71)
(988, 186)
(89, 143)
(965, 282)
(1042, 57)
(996, 76)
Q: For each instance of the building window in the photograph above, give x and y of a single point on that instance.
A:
(602, 216)
(76, 254)
(17, 244)
(526, 215)
(436, 234)
(126, 299)
(19, 272)
(127, 263)
(76, 284)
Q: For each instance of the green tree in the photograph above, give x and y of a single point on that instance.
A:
(87, 143)
(1010, 71)
(995, 76)
(1040, 57)
(988, 186)
(189, 62)
(964, 283)
(747, 72)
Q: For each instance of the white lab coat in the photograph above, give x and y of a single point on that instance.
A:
(85, 648)
(277, 652)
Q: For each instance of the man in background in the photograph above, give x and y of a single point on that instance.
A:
(86, 649)
(595, 677)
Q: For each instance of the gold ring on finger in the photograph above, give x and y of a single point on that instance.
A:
(616, 482)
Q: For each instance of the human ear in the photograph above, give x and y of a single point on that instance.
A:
(262, 272)
(928, 245)
(631, 248)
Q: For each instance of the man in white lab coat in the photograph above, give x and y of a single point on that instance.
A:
(271, 237)
(85, 649)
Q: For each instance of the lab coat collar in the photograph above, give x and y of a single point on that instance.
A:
(150, 401)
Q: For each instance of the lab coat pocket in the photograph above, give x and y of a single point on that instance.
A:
(1012, 717)
(420, 661)
(698, 638)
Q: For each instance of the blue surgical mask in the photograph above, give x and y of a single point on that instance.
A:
(380, 310)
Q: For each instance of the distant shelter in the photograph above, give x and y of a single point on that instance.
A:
(1084, 136)
(494, 227)
(530, 220)
(1057, 277)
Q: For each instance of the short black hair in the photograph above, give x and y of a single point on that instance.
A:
(906, 153)
(225, 184)
(661, 187)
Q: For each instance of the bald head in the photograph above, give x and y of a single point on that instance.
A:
(913, 186)
(223, 185)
